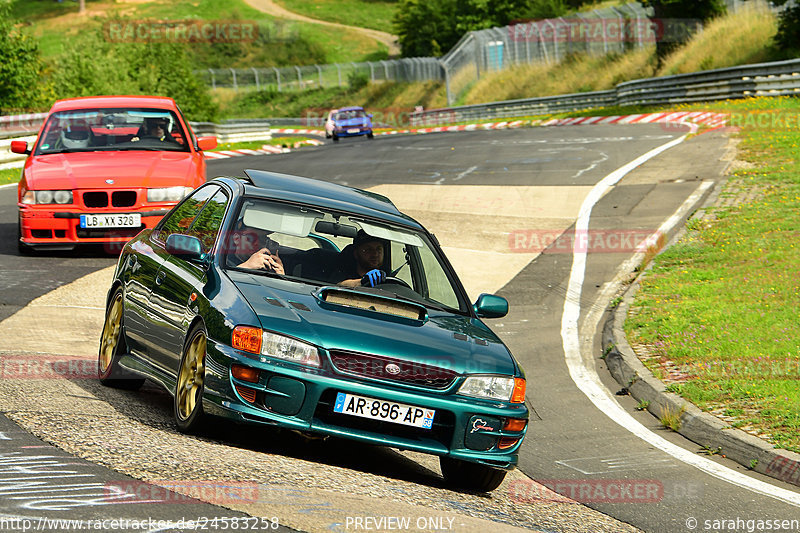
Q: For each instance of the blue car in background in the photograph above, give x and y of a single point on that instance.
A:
(348, 122)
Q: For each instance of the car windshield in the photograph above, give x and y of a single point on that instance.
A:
(319, 246)
(100, 129)
(350, 113)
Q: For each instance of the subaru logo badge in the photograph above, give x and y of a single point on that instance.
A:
(110, 182)
(392, 369)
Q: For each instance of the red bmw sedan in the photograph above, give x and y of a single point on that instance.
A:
(105, 167)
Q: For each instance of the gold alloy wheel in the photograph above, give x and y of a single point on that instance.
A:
(111, 333)
(190, 380)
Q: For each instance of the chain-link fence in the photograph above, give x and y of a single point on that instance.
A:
(315, 76)
(602, 31)
(598, 32)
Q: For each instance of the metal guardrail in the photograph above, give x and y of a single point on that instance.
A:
(763, 79)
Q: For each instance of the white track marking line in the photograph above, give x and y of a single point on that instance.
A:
(585, 376)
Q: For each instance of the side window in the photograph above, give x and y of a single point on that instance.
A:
(206, 225)
(180, 219)
(398, 258)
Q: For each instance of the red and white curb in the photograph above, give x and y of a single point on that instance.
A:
(264, 150)
(705, 118)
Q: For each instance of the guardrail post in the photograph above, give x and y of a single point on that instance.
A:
(278, 77)
(235, 87)
(299, 78)
(385, 70)
(371, 71)
(255, 73)
(213, 79)
(319, 75)
(339, 73)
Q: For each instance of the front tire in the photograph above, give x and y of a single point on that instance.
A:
(335, 138)
(112, 344)
(188, 404)
(473, 477)
(370, 135)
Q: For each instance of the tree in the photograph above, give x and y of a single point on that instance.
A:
(674, 13)
(788, 37)
(432, 27)
(82, 7)
(21, 68)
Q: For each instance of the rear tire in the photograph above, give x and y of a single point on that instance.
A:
(335, 138)
(112, 344)
(188, 404)
(370, 135)
(473, 477)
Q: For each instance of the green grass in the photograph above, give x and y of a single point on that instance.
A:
(10, 175)
(374, 14)
(722, 303)
(297, 43)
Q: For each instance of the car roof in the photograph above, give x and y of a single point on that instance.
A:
(87, 102)
(351, 108)
(324, 194)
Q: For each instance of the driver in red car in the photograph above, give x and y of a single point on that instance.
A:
(366, 266)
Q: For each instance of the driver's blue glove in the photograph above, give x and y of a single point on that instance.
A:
(373, 278)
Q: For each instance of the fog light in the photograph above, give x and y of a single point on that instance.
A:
(245, 373)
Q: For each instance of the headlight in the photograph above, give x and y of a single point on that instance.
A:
(290, 349)
(167, 194)
(47, 197)
(254, 340)
(494, 388)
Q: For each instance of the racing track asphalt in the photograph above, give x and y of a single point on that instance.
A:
(523, 180)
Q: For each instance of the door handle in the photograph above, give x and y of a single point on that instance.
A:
(160, 278)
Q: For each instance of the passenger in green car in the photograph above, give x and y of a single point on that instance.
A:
(362, 262)
(248, 251)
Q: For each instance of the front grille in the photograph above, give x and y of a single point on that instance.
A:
(441, 430)
(123, 198)
(410, 373)
(108, 233)
(95, 199)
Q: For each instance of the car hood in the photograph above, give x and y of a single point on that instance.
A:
(90, 170)
(460, 343)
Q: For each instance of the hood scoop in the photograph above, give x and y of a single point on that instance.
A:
(357, 300)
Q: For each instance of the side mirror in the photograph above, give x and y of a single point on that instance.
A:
(206, 143)
(20, 147)
(490, 306)
(185, 246)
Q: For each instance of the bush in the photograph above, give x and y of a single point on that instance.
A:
(357, 80)
(92, 65)
(21, 69)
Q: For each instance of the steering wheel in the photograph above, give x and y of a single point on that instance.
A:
(396, 281)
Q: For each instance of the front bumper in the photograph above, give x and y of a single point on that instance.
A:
(49, 227)
(345, 132)
(300, 398)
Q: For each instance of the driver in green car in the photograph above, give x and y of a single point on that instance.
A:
(365, 266)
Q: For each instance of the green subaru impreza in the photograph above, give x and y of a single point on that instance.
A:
(289, 301)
